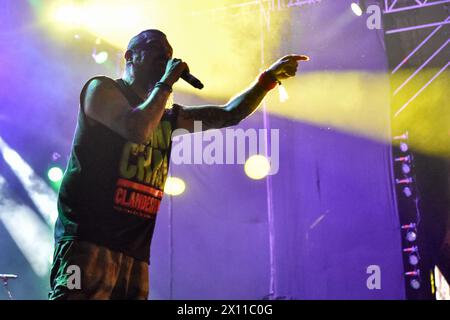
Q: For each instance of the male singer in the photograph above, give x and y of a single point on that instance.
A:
(114, 181)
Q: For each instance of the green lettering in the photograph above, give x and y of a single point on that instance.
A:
(143, 163)
(158, 139)
(167, 131)
(128, 171)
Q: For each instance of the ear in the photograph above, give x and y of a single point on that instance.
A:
(128, 55)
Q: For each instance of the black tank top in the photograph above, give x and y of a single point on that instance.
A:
(112, 187)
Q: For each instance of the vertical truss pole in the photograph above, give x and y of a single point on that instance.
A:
(265, 25)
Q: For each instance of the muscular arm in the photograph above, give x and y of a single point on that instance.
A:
(230, 114)
(105, 103)
(239, 107)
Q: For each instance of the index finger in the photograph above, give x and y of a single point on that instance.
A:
(302, 57)
(298, 57)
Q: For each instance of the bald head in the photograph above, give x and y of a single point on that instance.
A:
(147, 56)
(143, 38)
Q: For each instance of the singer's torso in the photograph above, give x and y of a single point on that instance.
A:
(112, 188)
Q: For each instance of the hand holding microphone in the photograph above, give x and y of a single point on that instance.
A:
(193, 81)
(175, 69)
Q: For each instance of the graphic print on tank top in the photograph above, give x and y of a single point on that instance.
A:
(143, 169)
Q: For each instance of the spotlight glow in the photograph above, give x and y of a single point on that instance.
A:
(94, 15)
(357, 112)
(55, 174)
(257, 167)
(32, 236)
(100, 57)
(356, 9)
(235, 50)
(40, 193)
(68, 15)
(174, 186)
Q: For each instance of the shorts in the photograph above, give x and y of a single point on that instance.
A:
(82, 270)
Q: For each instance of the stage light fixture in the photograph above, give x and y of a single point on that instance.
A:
(407, 192)
(407, 159)
(411, 249)
(412, 225)
(356, 9)
(415, 284)
(406, 169)
(411, 236)
(404, 147)
(404, 181)
(402, 137)
(414, 273)
(413, 259)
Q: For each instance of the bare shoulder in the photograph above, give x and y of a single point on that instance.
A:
(101, 88)
(105, 103)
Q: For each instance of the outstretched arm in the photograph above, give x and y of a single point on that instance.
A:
(242, 105)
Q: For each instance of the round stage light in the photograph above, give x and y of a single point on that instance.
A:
(100, 57)
(413, 260)
(257, 167)
(411, 236)
(55, 174)
(406, 169)
(404, 147)
(415, 284)
(356, 9)
(174, 186)
(407, 191)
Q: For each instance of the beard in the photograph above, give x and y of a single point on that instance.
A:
(150, 75)
(156, 70)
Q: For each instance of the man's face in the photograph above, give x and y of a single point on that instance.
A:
(151, 58)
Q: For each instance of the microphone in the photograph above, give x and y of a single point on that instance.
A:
(193, 81)
(8, 276)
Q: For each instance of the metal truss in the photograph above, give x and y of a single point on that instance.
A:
(431, 41)
(393, 6)
(270, 4)
(299, 3)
